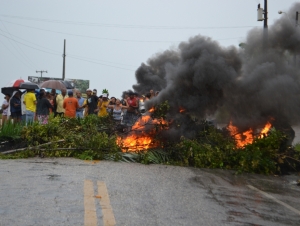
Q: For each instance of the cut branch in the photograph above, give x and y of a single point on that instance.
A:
(30, 148)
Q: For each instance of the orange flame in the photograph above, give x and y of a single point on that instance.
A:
(141, 138)
(246, 137)
(181, 109)
(265, 130)
(151, 110)
(135, 143)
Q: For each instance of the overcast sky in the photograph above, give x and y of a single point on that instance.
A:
(106, 41)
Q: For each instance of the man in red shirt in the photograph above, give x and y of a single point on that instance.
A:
(70, 105)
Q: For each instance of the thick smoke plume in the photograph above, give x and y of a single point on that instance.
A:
(248, 86)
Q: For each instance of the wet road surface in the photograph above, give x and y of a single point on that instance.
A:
(68, 191)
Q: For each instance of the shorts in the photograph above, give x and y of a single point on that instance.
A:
(16, 115)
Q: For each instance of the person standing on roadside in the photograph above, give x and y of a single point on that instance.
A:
(15, 106)
(54, 95)
(70, 105)
(80, 99)
(132, 112)
(90, 103)
(23, 107)
(43, 107)
(59, 103)
(102, 105)
(95, 92)
(30, 103)
(117, 110)
(5, 106)
(152, 94)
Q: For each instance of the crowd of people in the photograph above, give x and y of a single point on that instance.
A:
(37, 106)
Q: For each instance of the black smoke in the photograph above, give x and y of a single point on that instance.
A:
(248, 86)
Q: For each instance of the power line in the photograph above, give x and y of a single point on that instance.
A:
(18, 49)
(15, 55)
(120, 25)
(86, 36)
(30, 42)
(82, 57)
(28, 45)
(78, 58)
(74, 57)
(101, 38)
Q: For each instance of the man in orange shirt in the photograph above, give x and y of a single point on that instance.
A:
(70, 105)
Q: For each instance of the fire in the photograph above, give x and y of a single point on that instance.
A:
(142, 135)
(246, 137)
(151, 110)
(265, 130)
(181, 110)
(135, 142)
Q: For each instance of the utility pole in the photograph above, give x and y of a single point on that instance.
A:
(41, 72)
(295, 56)
(264, 12)
(266, 17)
(64, 61)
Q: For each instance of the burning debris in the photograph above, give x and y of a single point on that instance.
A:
(245, 86)
(247, 137)
(142, 134)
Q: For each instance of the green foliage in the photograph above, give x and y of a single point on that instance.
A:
(94, 138)
(10, 131)
(105, 91)
(213, 150)
(161, 110)
(87, 138)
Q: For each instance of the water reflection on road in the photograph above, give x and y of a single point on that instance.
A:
(245, 206)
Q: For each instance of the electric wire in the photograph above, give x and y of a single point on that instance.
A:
(77, 58)
(88, 58)
(92, 37)
(74, 57)
(15, 55)
(101, 38)
(18, 49)
(121, 25)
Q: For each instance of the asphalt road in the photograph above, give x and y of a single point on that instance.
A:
(68, 191)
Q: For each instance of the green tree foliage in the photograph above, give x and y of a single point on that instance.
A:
(95, 137)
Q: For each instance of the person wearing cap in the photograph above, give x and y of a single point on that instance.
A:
(102, 105)
(60, 101)
(30, 103)
(91, 103)
(70, 105)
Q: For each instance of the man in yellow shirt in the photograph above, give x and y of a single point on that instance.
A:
(30, 103)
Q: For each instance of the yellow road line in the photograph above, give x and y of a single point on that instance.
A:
(108, 215)
(90, 215)
(274, 199)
